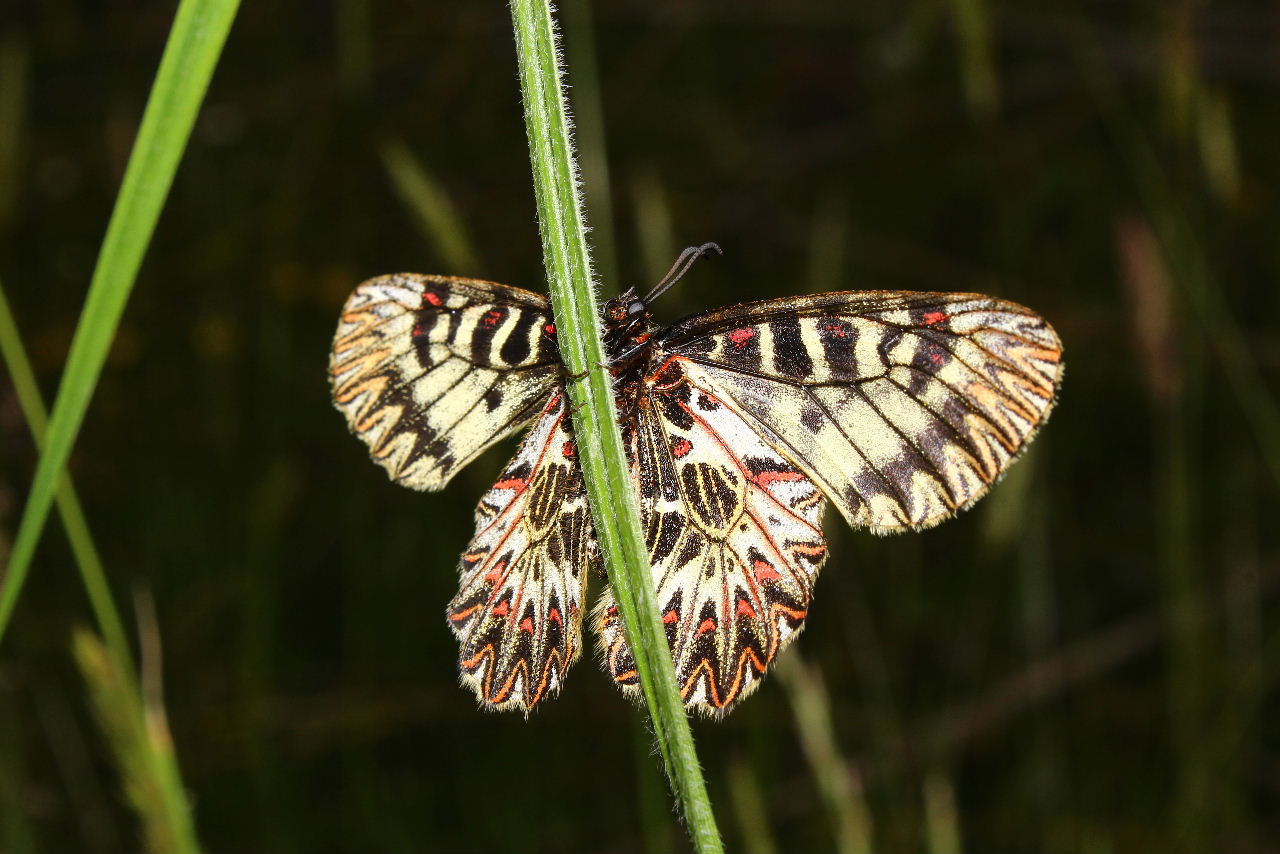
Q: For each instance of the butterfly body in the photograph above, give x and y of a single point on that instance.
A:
(899, 408)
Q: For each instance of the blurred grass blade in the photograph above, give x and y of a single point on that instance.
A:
(1179, 67)
(654, 230)
(82, 547)
(14, 63)
(16, 830)
(942, 822)
(195, 42)
(610, 491)
(352, 27)
(1149, 288)
(657, 823)
(828, 241)
(839, 785)
(1219, 151)
(1185, 253)
(138, 735)
(431, 207)
(977, 63)
(750, 808)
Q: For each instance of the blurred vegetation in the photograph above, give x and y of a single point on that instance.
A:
(1087, 661)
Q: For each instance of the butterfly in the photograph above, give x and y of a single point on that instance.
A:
(899, 408)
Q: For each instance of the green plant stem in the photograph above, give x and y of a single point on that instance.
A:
(191, 52)
(603, 458)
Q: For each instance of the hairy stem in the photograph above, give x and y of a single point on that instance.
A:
(603, 458)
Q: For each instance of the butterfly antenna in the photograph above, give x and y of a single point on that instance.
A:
(680, 267)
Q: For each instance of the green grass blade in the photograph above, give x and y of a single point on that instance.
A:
(199, 32)
(941, 818)
(604, 463)
(839, 785)
(73, 519)
(750, 809)
(138, 736)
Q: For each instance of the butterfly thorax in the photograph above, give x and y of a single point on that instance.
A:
(627, 341)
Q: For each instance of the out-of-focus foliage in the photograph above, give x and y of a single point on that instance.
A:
(1088, 660)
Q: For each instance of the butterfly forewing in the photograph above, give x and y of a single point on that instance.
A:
(431, 370)
(734, 535)
(518, 611)
(904, 408)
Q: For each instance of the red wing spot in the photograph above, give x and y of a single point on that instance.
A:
(433, 298)
(681, 448)
(670, 617)
(569, 448)
(492, 317)
(707, 625)
(419, 329)
(836, 329)
(504, 608)
(511, 483)
(765, 571)
(933, 318)
(462, 616)
(745, 609)
(495, 574)
(936, 359)
(555, 617)
(767, 477)
(526, 625)
(550, 329)
(740, 337)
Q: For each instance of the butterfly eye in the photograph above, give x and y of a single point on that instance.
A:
(636, 307)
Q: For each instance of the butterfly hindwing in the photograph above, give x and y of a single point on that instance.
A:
(518, 611)
(904, 408)
(431, 370)
(734, 536)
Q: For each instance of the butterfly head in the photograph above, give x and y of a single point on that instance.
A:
(626, 308)
(627, 320)
(628, 327)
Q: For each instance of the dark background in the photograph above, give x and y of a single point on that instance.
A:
(1086, 661)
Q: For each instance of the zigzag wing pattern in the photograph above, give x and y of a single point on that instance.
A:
(431, 370)
(518, 611)
(734, 535)
(902, 407)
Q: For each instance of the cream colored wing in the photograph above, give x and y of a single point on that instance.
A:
(431, 370)
(902, 407)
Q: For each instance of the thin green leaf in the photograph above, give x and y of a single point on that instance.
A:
(195, 43)
(82, 547)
